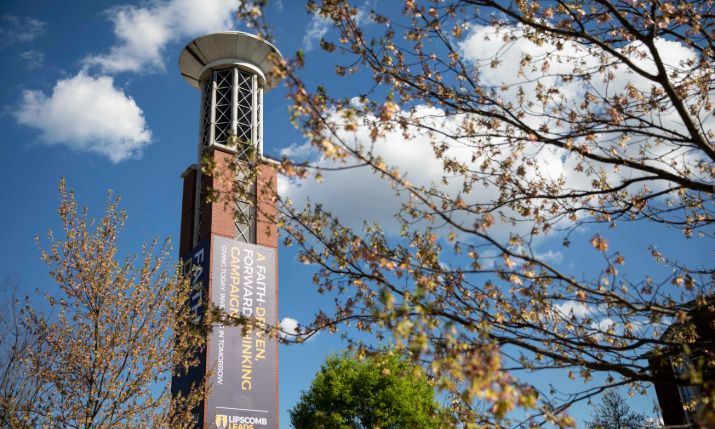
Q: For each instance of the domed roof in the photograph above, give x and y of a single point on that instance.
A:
(228, 47)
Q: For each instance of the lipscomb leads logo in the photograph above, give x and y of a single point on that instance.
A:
(239, 422)
(221, 421)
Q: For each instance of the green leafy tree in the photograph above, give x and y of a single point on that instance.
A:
(381, 391)
(613, 412)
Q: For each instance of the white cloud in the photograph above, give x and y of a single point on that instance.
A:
(298, 151)
(550, 256)
(485, 44)
(15, 29)
(142, 32)
(603, 325)
(575, 308)
(488, 259)
(289, 326)
(358, 194)
(33, 59)
(291, 330)
(88, 114)
(317, 28)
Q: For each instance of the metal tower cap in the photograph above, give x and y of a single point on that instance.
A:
(229, 47)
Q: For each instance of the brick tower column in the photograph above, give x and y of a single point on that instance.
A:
(229, 241)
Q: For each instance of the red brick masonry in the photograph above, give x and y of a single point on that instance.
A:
(218, 218)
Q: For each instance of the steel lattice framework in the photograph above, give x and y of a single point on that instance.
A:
(231, 118)
(223, 105)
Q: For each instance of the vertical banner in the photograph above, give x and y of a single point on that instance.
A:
(195, 266)
(243, 364)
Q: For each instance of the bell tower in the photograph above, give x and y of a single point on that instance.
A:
(228, 237)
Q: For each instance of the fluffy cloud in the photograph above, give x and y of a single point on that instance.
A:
(603, 325)
(317, 28)
(291, 330)
(575, 308)
(142, 32)
(88, 114)
(357, 194)
(289, 327)
(550, 256)
(15, 29)
(485, 44)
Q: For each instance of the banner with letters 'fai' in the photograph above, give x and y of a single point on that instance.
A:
(242, 360)
(196, 267)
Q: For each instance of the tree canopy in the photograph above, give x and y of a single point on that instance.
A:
(100, 352)
(543, 129)
(378, 392)
(613, 412)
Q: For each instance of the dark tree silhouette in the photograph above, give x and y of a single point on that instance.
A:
(613, 412)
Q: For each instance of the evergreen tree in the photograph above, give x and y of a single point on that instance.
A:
(613, 412)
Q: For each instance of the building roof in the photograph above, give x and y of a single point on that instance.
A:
(229, 47)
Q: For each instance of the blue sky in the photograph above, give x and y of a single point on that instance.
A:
(92, 92)
(145, 121)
